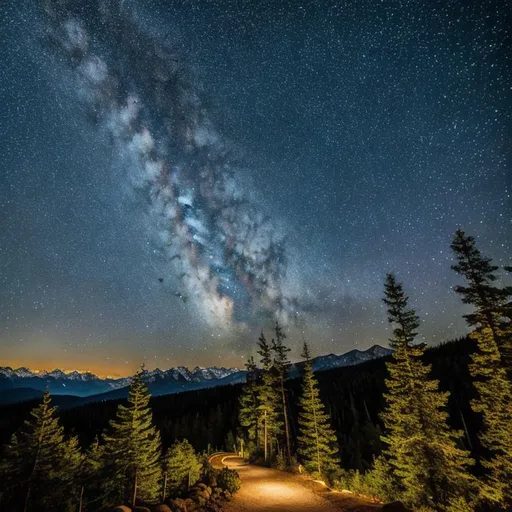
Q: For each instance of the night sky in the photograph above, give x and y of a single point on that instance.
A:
(175, 175)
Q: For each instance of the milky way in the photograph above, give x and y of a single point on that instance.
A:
(177, 174)
(226, 258)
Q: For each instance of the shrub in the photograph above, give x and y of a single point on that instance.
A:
(209, 475)
(280, 462)
(229, 480)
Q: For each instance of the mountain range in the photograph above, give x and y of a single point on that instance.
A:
(23, 384)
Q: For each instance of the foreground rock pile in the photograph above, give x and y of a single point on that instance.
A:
(201, 497)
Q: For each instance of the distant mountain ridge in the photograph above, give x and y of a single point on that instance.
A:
(86, 383)
(23, 383)
(355, 356)
(197, 373)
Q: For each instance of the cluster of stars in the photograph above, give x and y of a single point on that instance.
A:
(369, 132)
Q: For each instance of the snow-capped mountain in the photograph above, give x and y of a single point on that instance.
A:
(86, 383)
(174, 380)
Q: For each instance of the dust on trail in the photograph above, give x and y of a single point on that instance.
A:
(267, 490)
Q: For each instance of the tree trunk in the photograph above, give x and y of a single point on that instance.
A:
(81, 499)
(266, 436)
(27, 497)
(286, 428)
(466, 431)
(134, 490)
(165, 487)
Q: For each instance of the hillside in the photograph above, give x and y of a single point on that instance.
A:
(352, 393)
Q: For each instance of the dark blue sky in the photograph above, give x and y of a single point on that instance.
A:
(174, 175)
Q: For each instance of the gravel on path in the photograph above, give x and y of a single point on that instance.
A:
(269, 490)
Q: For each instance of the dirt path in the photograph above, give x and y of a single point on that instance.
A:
(267, 490)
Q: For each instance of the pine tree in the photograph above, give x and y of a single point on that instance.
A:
(133, 449)
(493, 335)
(182, 468)
(248, 413)
(91, 475)
(281, 364)
(430, 470)
(317, 444)
(40, 467)
(491, 302)
(269, 400)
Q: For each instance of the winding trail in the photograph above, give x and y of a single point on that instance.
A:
(269, 490)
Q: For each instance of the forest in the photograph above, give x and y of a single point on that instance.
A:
(428, 426)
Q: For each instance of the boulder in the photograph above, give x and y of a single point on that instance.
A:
(226, 495)
(122, 508)
(179, 505)
(141, 509)
(190, 504)
(162, 508)
(395, 506)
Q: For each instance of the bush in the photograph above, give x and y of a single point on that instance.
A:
(279, 462)
(209, 475)
(378, 483)
(229, 480)
(356, 482)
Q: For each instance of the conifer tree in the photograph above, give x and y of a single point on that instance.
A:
(430, 470)
(40, 466)
(317, 444)
(269, 401)
(492, 304)
(133, 449)
(182, 468)
(493, 335)
(248, 413)
(281, 364)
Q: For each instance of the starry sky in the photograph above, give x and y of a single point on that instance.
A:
(176, 175)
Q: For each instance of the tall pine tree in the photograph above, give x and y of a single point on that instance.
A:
(492, 332)
(40, 467)
(317, 444)
(430, 470)
(248, 413)
(492, 303)
(281, 364)
(133, 449)
(269, 400)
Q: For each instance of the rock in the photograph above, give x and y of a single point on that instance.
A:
(226, 495)
(179, 505)
(395, 506)
(197, 493)
(141, 509)
(162, 508)
(122, 508)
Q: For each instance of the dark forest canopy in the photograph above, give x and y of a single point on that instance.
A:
(353, 396)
